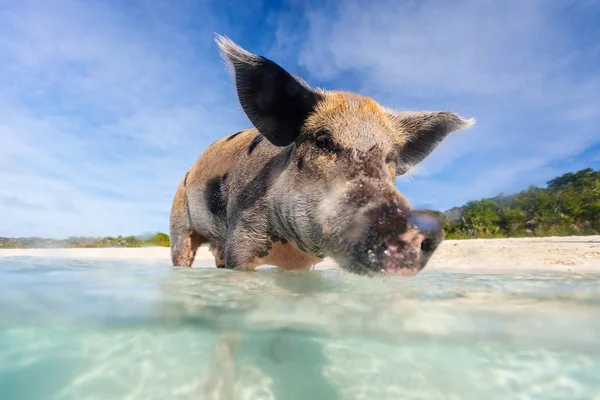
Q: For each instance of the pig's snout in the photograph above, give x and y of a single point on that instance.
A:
(399, 241)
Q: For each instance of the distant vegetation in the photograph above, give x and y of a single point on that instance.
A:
(569, 205)
(157, 239)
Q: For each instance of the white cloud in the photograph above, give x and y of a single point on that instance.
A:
(102, 115)
(482, 47)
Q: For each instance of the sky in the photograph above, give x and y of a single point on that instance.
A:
(105, 105)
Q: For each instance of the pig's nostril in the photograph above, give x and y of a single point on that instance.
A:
(427, 245)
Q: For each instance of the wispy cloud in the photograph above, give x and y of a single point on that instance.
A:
(105, 109)
(14, 201)
(104, 105)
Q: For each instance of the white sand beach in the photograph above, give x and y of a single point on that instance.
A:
(568, 254)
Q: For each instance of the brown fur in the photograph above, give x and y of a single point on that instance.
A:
(340, 111)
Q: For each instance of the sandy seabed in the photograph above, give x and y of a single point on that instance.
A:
(568, 254)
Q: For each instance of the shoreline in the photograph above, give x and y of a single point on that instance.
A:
(573, 254)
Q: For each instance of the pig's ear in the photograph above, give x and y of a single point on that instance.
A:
(419, 133)
(276, 102)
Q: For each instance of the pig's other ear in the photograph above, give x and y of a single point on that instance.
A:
(276, 102)
(419, 133)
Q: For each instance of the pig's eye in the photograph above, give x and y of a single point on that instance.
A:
(324, 142)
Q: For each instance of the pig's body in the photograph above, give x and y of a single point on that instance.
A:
(314, 178)
(230, 176)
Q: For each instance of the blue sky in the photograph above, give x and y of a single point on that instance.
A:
(104, 105)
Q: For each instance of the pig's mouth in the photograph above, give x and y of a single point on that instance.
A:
(390, 262)
(401, 272)
(388, 267)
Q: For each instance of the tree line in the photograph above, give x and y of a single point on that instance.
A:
(569, 205)
(157, 239)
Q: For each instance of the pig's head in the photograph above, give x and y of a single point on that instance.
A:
(337, 195)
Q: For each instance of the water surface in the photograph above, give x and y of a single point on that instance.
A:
(72, 329)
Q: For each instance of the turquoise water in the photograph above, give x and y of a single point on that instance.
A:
(122, 330)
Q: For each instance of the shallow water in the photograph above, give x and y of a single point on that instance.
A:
(121, 330)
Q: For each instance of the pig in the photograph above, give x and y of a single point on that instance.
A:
(314, 178)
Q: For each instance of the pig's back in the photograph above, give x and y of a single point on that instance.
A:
(219, 157)
(223, 170)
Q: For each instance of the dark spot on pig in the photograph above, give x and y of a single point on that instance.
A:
(428, 245)
(276, 238)
(258, 187)
(264, 249)
(263, 252)
(255, 142)
(301, 163)
(233, 136)
(214, 196)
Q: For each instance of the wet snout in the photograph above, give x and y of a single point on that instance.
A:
(401, 241)
(395, 240)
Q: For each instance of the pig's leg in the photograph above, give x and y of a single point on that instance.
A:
(183, 247)
(184, 240)
(219, 256)
(246, 245)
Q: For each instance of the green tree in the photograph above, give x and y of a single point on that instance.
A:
(159, 239)
(569, 205)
